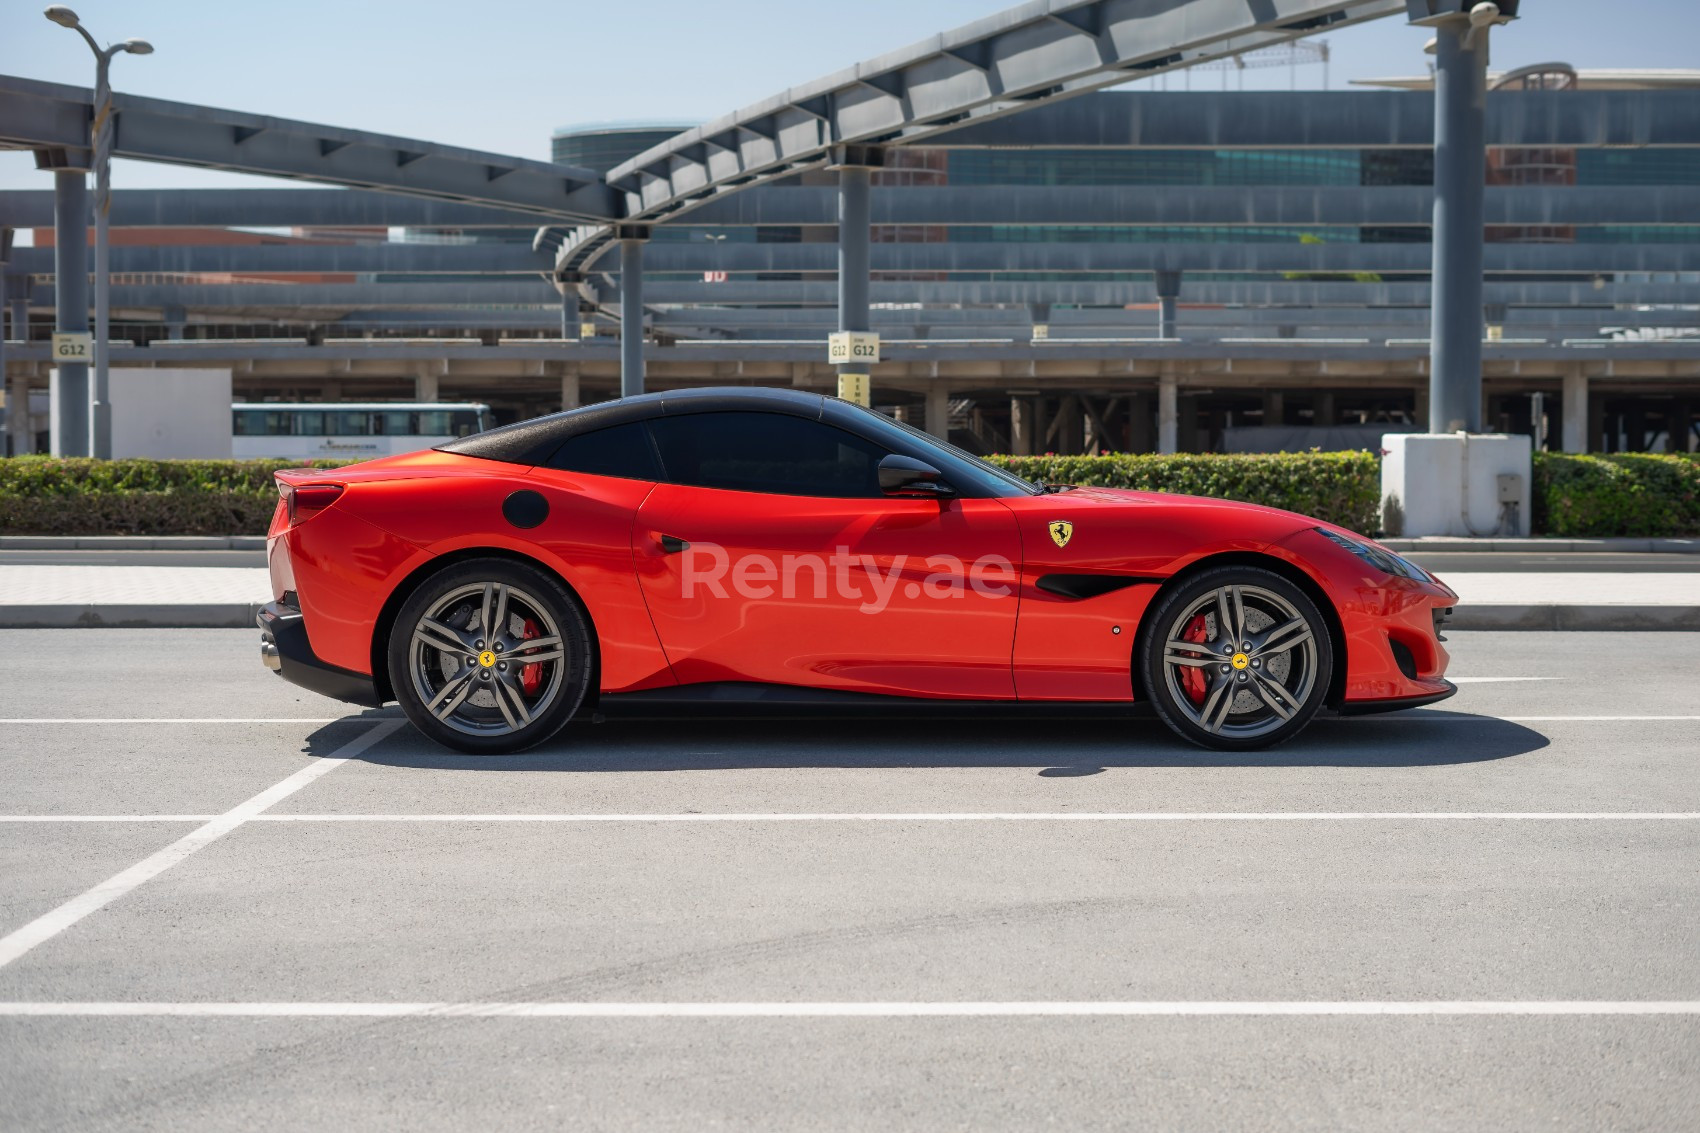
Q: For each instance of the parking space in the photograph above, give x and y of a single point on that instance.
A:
(1510, 873)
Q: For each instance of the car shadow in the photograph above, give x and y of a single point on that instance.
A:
(1053, 745)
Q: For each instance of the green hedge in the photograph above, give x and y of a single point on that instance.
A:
(1639, 494)
(42, 495)
(1574, 496)
(1340, 487)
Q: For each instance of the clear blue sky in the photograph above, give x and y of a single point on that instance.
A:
(502, 74)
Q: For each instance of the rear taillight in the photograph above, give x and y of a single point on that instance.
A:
(304, 501)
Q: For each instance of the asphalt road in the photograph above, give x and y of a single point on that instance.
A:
(1373, 861)
(1441, 563)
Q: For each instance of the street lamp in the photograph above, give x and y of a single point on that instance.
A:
(100, 416)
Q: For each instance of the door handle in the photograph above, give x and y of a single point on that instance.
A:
(672, 544)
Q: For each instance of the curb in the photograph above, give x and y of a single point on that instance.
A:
(97, 615)
(132, 542)
(241, 616)
(1557, 617)
(1450, 545)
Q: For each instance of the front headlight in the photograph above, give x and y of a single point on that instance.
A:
(1385, 561)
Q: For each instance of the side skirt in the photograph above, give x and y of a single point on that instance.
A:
(748, 698)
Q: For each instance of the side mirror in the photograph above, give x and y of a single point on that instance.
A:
(906, 476)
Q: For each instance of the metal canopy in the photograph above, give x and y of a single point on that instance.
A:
(267, 208)
(1086, 258)
(37, 115)
(1336, 120)
(1001, 65)
(1313, 206)
(1075, 206)
(1288, 301)
(315, 259)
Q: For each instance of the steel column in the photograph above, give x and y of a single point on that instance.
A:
(631, 317)
(71, 302)
(1460, 187)
(100, 409)
(853, 257)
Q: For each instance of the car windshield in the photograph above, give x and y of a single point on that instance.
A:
(995, 480)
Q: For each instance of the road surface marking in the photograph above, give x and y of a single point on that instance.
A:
(927, 816)
(51, 924)
(174, 719)
(865, 1010)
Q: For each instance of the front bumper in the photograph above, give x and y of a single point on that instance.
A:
(285, 650)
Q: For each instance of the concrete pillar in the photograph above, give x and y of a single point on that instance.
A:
(569, 314)
(1419, 411)
(1460, 180)
(938, 410)
(70, 391)
(1575, 410)
(1274, 407)
(1041, 425)
(631, 312)
(174, 318)
(21, 438)
(1140, 432)
(1168, 303)
(425, 387)
(20, 317)
(1041, 316)
(1071, 425)
(1323, 414)
(1021, 426)
(1168, 415)
(854, 237)
(569, 391)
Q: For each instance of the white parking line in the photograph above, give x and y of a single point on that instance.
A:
(868, 1010)
(1498, 680)
(172, 719)
(51, 924)
(932, 816)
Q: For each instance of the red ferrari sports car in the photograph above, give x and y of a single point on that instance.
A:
(767, 544)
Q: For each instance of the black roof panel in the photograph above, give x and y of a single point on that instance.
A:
(533, 442)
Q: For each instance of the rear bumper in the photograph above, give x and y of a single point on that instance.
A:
(285, 650)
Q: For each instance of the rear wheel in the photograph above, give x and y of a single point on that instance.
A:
(490, 656)
(1238, 658)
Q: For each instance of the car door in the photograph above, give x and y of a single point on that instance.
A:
(769, 553)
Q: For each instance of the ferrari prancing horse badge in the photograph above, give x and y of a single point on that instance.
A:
(1061, 532)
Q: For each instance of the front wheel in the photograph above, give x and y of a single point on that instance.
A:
(1237, 659)
(490, 656)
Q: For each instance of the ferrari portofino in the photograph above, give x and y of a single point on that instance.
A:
(760, 544)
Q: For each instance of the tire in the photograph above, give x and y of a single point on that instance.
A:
(449, 648)
(1212, 690)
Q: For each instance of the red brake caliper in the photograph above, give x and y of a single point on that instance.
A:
(531, 676)
(1192, 679)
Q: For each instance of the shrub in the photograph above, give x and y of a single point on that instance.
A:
(1340, 487)
(42, 495)
(1619, 494)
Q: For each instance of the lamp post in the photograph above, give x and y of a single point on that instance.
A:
(100, 409)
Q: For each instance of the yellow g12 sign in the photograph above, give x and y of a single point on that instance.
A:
(74, 346)
(847, 346)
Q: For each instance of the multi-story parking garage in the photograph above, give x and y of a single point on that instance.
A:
(1160, 270)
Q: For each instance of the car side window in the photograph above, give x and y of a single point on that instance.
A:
(620, 450)
(766, 452)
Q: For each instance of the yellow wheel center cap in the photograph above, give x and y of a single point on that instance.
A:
(1240, 660)
(488, 659)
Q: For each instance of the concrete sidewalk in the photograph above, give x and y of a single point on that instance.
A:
(175, 596)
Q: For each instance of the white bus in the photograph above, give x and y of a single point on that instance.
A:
(351, 430)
